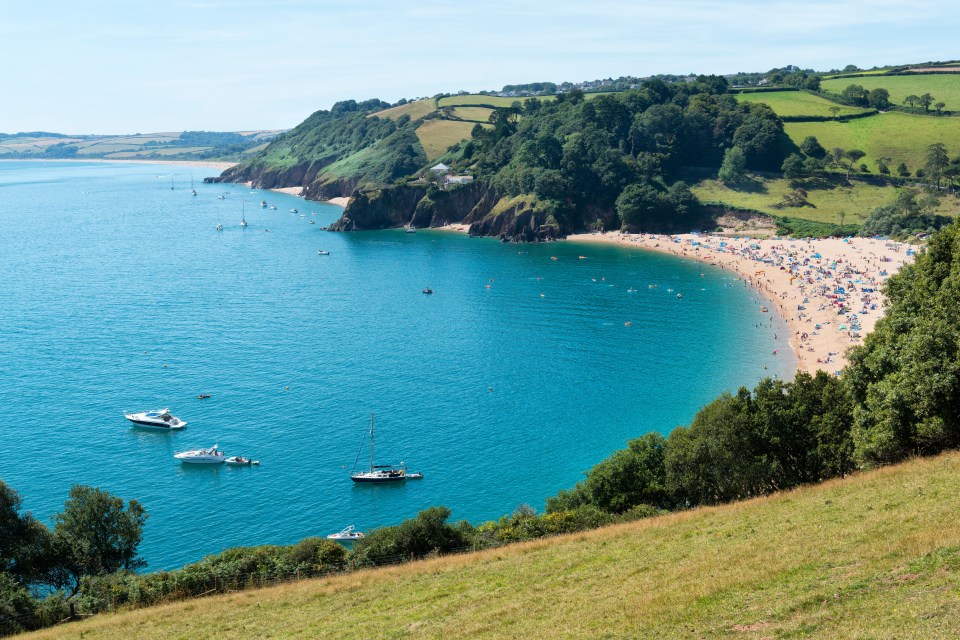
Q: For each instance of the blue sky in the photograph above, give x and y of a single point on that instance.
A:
(129, 66)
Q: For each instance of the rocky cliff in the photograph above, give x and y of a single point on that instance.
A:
(475, 204)
(316, 185)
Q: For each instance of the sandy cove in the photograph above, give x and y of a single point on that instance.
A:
(296, 191)
(827, 290)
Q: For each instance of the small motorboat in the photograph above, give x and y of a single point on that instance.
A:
(238, 461)
(321, 252)
(312, 222)
(294, 211)
(159, 419)
(213, 455)
(203, 396)
(263, 204)
(414, 475)
(347, 534)
(193, 192)
(273, 207)
(219, 227)
(428, 290)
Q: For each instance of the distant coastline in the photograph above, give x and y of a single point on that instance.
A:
(208, 164)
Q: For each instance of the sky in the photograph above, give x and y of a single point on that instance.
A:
(132, 66)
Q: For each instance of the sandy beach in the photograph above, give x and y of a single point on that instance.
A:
(827, 290)
(296, 191)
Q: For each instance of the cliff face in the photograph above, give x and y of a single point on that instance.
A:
(475, 204)
(315, 185)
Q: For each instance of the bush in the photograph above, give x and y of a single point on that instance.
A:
(414, 538)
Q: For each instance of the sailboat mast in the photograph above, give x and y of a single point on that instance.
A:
(371, 443)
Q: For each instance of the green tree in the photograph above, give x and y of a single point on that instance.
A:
(883, 165)
(911, 100)
(878, 98)
(834, 110)
(902, 170)
(812, 147)
(939, 107)
(639, 205)
(416, 537)
(734, 167)
(792, 167)
(936, 161)
(925, 101)
(26, 549)
(97, 535)
(630, 477)
(836, 156)
(855, 94)
(852, 156)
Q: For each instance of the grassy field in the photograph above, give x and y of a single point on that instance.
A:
(944, 88)
(415, 110)
(876, 555)
(856, 201)
(900, 136)
(437, 136)
(796, 103)
(495, 101)
(479, 114)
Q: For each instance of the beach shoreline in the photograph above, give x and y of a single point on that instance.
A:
(799, 279)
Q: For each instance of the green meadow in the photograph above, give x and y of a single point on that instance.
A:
(797, 103)
(943, 87)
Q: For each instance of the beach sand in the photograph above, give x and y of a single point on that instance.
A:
(829, 302)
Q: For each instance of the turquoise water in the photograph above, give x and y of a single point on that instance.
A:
(118, 294)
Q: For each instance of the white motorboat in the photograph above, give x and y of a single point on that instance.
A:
(321, 252)
(273, 207)
(294, 211)
(263, 204)
(240, 461)
(213, 455)
(159, 419)
(347, 534)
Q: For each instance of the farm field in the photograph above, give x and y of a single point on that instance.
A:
(944, 88)
(478, 114)
(902, 137)
(415, 110)
(855, 201)
(797, 103)
(437, 136)
(497, 101)
(874, 555)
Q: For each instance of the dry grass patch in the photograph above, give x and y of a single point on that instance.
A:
(437, 136)
(415, 110)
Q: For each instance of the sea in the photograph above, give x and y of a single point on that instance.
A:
(527, 365)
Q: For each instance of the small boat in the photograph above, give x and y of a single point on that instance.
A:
(219, 227)
(294, 211)
(312, 222)
(679, 295)
(764, 310)
(263, 204)
(193, 192)
(243, 222)
(159, 419)
(413, 475)
(273, 207)
(321, 252)
(428, 290)
(220, 197)
(203, 396)
(380, 473)
(410, 229)
(239, 461)
(347, 534)
(213, 455)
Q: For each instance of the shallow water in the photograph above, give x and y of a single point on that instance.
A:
(119, 294)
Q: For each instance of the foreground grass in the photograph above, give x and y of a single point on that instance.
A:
(902, 137)
(797, 103)
(944, 88)
(872, 556)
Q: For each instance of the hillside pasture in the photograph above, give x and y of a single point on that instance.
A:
(943, 88)
(499, 101)
(477, 114)
(415, 110)
(874, 555)
(436, 136)
(902, 137)
(797, 103)
(855, 200)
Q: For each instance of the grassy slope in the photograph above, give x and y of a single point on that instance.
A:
(437, 136)
(872, 556)
(944, 88)
(479, 114)
(495, 101)
(415, 110)
(900, 136)
(857, 201)
(797, 103)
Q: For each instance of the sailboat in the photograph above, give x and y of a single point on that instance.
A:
(381, 472)
(193, 191)
(243, 214)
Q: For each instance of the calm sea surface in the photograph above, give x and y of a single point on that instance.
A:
(117, 293)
